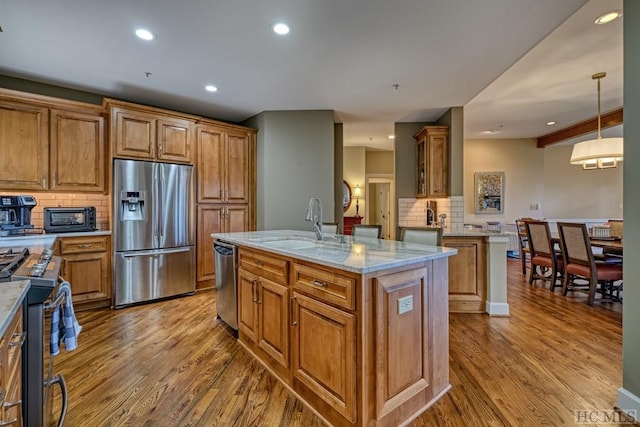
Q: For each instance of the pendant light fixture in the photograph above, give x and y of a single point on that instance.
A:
(599, 153)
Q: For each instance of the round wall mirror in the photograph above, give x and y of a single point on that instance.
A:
(346, 196)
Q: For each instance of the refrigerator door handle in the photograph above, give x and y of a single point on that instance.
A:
(155, 252)
(161, 205)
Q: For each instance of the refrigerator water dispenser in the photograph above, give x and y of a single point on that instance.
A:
(132, 205)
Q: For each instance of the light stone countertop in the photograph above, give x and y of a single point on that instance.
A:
(356, 254)
(11, 296)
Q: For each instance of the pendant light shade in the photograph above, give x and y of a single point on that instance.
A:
(599, 153)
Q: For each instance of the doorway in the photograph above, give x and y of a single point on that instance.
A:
(379, 206)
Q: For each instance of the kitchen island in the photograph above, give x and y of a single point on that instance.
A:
(356, 328)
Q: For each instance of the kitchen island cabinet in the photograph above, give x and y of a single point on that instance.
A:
(12, 336)
(360, 327)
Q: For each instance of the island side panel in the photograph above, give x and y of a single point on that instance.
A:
(405, 342)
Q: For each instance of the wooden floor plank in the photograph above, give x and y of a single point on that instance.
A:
(171, 363)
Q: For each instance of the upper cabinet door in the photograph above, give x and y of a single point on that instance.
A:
(133, 133)
(77, 151)
(210, 164)
(237, 167)
(24, 138)
(432, 162)
(175, 139)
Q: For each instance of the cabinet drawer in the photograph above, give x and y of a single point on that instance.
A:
(78, 245)
(265, 265)
(325, 285)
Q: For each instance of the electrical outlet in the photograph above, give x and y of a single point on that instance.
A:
(405, 304)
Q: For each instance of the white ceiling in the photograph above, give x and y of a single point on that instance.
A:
(343, 55)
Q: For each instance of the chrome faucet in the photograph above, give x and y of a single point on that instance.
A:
(317, 222)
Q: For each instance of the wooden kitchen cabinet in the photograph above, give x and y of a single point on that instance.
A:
(51, 144)
(263, 315)
(11, 372)
(87, 267)
(77, 151)
(224, 164)
(324, 353)
(432, 162)
(140, 132)
(467, 274)
(215, 219)
(24, 139)
(225, 187)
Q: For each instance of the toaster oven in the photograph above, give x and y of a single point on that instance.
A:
(69, 219)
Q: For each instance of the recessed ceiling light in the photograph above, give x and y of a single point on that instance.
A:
(211, 88)
(551, 123)
(391, 137)
(281, 29)
(607, 17)
(144, 34)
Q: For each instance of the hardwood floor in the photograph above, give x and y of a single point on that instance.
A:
(172, 364)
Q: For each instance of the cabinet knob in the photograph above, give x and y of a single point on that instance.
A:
(20, 339)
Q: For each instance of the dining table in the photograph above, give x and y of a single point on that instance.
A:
(608, 244)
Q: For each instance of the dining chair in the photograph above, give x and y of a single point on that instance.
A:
(616, 228)
(581, 264)
(330, 227)
(525, 253)
(425, 235)
(544, 257)
(366, 230)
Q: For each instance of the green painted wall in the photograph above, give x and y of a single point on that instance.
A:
(631, 206)
(405, 158)
(49, 90)
(295, 161)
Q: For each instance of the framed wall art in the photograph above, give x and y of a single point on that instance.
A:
(489, 192)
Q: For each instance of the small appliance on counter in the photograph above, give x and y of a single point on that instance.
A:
(15, 214)
(69, 219)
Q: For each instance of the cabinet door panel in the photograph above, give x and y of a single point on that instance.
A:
(273, 303)
(87, 274)
(24, 137)
(247, 307)
(211, 164)
(134, 133)
(324, 353)
(175, 137)
(237, 218)
(77, 151)
(209, 221)
(237, 168)
(438, 167)
(467, 275)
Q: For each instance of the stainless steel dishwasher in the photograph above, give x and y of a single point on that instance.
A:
(226, 268)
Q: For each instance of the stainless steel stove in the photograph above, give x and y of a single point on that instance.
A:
(43, 270)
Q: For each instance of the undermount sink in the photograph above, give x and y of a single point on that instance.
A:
(291, 244)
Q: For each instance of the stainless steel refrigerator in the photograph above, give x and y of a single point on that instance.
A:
(153, 229)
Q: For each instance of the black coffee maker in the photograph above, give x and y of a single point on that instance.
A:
(15, 214)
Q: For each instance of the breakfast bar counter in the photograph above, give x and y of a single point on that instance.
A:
(356, 328)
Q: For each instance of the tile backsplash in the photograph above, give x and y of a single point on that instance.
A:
(412, 213)
(47, 200)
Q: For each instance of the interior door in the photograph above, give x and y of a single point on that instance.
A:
(383, 211)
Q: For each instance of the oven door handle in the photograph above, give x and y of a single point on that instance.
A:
(59, 379)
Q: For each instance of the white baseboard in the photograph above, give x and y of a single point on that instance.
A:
(629, 402)
(497, 308)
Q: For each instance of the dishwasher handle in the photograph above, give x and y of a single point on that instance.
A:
(224, 248)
